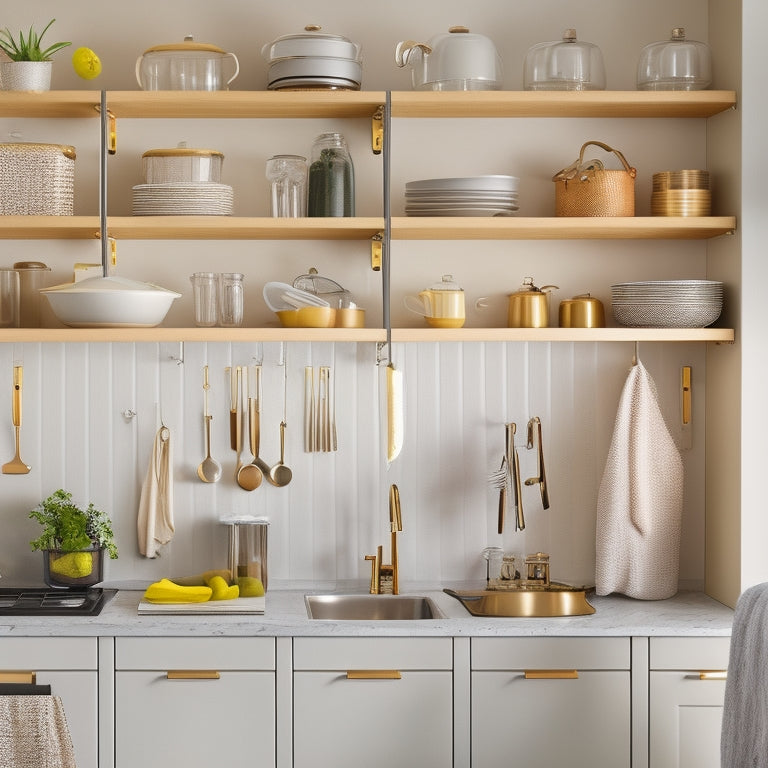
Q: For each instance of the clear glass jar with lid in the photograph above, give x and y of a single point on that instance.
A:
(676, 64)
(331, 178)
(564, 65)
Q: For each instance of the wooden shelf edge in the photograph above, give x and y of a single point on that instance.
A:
(720, 335)
(561, 228)
(50, 104)
(561, 103)
(163, 334)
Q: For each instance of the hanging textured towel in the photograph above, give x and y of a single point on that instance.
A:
(155, 521)
(640, 501)
(744, 735)
(34, 733)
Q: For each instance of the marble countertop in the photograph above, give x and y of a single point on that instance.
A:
(686, 614)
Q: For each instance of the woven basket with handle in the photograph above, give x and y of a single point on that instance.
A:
(589, 189)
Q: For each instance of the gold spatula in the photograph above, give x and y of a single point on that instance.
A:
(16, 466)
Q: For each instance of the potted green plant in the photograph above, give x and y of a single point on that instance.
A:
(74, 541)
(29, 68)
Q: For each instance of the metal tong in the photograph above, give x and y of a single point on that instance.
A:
(513, 474)
(541, 477)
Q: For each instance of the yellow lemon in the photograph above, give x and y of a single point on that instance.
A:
(74, 565)
(221, 590)
(250, 587)
(86, 63)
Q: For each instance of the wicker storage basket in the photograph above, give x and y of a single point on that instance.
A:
(589, 189)
(37, 179)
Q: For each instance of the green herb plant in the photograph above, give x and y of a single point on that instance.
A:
(69, 528)
(29, 47)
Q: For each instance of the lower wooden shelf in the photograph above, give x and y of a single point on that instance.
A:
(365, 335)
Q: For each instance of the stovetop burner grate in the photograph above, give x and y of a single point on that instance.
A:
(42, 601)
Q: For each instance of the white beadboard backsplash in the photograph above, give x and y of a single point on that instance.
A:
(90, 412)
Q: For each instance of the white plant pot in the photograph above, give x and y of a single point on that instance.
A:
(25, 75)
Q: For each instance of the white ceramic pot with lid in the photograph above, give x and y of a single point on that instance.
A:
(186, 66)
(313, 58)
(457, 60)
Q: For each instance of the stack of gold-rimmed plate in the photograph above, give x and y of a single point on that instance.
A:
(681, 193)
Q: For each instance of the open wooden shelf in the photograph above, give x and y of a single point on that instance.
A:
(561, 228)
(561, 103)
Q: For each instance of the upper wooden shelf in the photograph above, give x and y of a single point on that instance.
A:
(561, 103)
(561, 228)
(309, 104)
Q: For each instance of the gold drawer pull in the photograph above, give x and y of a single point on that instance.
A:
(192, 674)
(713, 674)
(551, 674)
(18, 677)
(373, 674)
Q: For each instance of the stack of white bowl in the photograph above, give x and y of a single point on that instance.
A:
(667, 303)
(182, 182)
(464, 196)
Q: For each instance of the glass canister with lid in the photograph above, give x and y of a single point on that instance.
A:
(569, 64)
(331, 178)
(676, 64)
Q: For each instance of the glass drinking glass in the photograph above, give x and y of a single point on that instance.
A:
(204, 292)
(287, 175)
(230, 299)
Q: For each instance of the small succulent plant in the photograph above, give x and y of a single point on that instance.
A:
(28, 47)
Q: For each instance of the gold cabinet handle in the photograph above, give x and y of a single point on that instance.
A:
(192, 674)
(713, 674)
(18, 677)
(551, 674)
(373, 674)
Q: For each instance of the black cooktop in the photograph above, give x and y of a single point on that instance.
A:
(44, 601)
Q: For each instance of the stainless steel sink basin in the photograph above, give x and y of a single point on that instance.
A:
(371, 607)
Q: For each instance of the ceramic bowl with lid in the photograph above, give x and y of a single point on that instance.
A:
(186, 66)
(181, 164)
(676, 64)
(564, 65)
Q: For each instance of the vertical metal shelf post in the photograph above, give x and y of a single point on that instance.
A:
(385, 260)
(103, 150)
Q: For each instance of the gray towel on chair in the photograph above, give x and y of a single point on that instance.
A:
(744, 737)
(34, 733)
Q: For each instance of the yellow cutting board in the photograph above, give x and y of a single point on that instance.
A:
(240, 605)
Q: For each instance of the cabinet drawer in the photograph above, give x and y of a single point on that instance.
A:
(336, 653)
(550, 653)
(34, 653)
(700, 653)
(253, 653)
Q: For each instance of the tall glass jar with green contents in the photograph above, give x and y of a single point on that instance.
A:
(331, 178)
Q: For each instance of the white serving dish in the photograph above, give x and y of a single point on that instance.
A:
(110, 302)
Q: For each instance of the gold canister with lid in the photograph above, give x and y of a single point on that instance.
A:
(681, 193)
(529, 307)
(582, 311)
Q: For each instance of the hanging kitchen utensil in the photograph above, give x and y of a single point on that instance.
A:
(209, 470)
(541, 477)
(16, 466)
(513, 469)
(309, 409)
(249, 476)
(281, 474)
(394, 412)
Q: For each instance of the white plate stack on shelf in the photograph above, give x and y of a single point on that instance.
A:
(182, 182)
(495, 195)
(667, 303)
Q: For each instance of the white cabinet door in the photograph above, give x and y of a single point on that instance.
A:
(541, 723)
(687, 688)
(545, 702)
(376, 723)
(68, 665)
(194, 702)
(374, 702)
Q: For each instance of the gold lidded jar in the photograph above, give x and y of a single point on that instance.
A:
(529, 307)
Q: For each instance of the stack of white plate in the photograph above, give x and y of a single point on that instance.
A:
(191, 198)
(464, 196)
(667, 303)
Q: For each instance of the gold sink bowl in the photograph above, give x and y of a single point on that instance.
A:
(554, 599)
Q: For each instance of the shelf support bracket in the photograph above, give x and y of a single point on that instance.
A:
(377, 131)
(376, 249)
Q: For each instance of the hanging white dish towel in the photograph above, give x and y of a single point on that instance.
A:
(640, 501)
(34, 733)
(155, 521)
(744, 734)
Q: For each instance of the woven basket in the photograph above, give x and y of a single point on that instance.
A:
(592, 190)
(37, 179)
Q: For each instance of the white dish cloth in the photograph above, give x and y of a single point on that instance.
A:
(155, 520)
(640, 501)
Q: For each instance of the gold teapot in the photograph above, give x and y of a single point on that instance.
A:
(529, 307)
